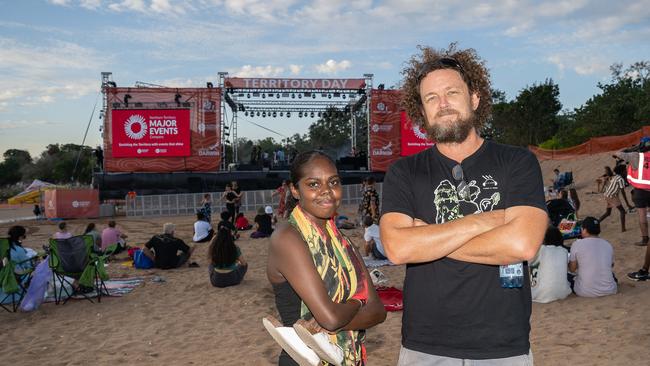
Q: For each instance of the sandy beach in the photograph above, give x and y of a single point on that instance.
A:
(186, 321)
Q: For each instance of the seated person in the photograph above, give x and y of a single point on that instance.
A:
(22, 258)
(227, 224)
(371, 236)
(165, 249)
(62, 233)
(203, 231)
(263, 224)
(269, 211)
(548, 270)
(227, 265)
(112, 235)
(241, 222)
(592, 259)
(97, 237)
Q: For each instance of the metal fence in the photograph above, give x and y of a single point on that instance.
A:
(188, 203)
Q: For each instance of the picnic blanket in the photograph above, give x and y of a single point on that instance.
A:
(115, 287)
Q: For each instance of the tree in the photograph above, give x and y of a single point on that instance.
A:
(528, 120)
(11, 169)
(57, 164)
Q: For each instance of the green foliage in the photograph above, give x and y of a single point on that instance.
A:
(15, 161)
(529, 119)
(9, 191)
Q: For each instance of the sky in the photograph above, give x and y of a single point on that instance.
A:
(52, 52)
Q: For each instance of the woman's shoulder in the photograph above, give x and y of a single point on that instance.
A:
(285, 235)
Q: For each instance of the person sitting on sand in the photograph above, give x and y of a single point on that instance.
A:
(111, 235)
(227, 265)
(97, 237)
(166, 248)
(263, 224)
(241, 222)
(592, 259)
(373, 247)
(62, 233)
(225, 223)
(548, 270)
(203, 231)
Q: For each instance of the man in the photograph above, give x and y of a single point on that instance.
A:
(455, 212)
(111, 235)
(203, 231)
(592, 259)
(165, 249)
(638, 174)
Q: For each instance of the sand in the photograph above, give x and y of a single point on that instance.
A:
(186, 321)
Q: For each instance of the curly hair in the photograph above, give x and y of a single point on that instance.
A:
(472, 69)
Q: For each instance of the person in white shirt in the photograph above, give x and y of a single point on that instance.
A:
(371, 236)
(203, 231)
(548, 270)
(592, 259)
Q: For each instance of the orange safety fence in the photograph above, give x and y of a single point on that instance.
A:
(594, 145)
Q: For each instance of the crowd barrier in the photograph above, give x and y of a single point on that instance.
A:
(188, 203)
(594, 145)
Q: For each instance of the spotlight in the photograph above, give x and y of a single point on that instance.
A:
(299, 114)
(313, 96)
(343, 96)
(381, 86)
(263, 95)
(320, 114)
(126, 99)
(281, 114)
(336, 95)
(275, 114)
(299, 95)
(312, 115)
(293, 96)
(277, 95)
(246, 113)
(258, 113)
(288, 114)
(248, 96)
(263, 114)
(209, 85)
(329, 96)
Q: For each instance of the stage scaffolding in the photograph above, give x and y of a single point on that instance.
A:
(288, 102)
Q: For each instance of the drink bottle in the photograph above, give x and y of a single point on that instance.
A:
(511, 275)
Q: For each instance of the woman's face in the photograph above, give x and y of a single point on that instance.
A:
(319, 190)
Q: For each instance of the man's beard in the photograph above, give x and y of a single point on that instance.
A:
(454, 132)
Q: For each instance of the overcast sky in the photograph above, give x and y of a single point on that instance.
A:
(52, 52)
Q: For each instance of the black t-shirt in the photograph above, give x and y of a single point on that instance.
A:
(453, 308)
(264, 222)
(166, 248)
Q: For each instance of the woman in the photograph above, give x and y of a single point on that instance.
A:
(22, 260)
(230, 198)
(281, 192)
(206, 207)
(370, 201)
(227, 265)
(317, 275)
(614, 186)
(62, 233)
(548, 270)
(97, 236)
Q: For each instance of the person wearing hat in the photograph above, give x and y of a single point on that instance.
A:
(591, 259)
(263, 223)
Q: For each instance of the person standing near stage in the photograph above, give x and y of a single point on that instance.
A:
(455, 214)
(237, 190)
(229, 197)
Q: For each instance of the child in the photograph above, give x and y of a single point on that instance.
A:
(241, 223)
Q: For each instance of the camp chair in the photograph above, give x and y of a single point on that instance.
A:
(74, 257)
(12, 284)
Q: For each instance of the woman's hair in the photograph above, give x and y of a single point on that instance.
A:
(223, 251)
(15, 233)
(62, 225)
(225, 215)
(468, 64)
(89, 228)
(609, 172)
(553, 236)
(239, 215)
(574, 196)
(200, 216)
(296, 173)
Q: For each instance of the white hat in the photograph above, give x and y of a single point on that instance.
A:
(268, 210)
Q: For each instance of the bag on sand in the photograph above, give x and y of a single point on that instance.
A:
(141, 261)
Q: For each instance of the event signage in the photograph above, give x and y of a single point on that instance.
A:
(413, 138)
(150, 132)
(270, 83)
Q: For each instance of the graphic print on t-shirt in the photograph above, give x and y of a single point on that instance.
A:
(450, 206)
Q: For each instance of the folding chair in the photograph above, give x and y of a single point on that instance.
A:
(12, 284)
(74, 257)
